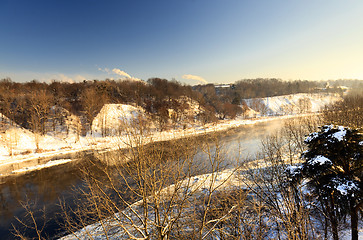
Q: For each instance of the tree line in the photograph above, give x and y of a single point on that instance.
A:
(269, 87)
(41, 106)
(32, 104)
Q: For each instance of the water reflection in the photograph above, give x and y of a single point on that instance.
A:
(40, 189)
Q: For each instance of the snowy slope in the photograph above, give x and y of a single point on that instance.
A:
(112, 118)
(291, 104)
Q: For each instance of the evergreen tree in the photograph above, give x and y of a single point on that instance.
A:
(333, 167)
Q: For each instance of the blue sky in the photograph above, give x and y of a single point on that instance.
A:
(192, 41)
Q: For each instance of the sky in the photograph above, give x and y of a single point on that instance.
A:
(192, 41)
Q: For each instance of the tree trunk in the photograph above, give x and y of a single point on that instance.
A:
(354, 220)
(334, 226)
(333, 219)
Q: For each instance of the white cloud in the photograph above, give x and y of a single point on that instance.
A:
(194, 77)
(135, 79)
(106, 70)
(44, 77)
(64, 78)
(79, 78)
(121, 73)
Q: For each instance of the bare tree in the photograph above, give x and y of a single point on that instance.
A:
(348, 112)
(10, 139)
(277, 208)
(149, 192)
(30, 223)
(304, 105)
(39, 104)
(92, 103)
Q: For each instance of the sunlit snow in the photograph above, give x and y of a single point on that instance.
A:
(46, 165)
(340, 134)
(345, 186)
(319, 160)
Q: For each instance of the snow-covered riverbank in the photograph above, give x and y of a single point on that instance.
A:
(59, 148)
(18, 145)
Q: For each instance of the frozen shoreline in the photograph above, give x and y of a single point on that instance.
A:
(113, 143)
(21, 148)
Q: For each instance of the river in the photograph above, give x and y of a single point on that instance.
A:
(42, 189)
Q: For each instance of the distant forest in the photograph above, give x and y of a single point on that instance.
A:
(33, 103)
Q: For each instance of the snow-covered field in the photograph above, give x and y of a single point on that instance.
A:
(18, 144)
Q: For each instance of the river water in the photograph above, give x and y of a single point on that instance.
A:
(42, 190)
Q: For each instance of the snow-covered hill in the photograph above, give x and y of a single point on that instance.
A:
(112, 118)
(17, 141)
(290, 104)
